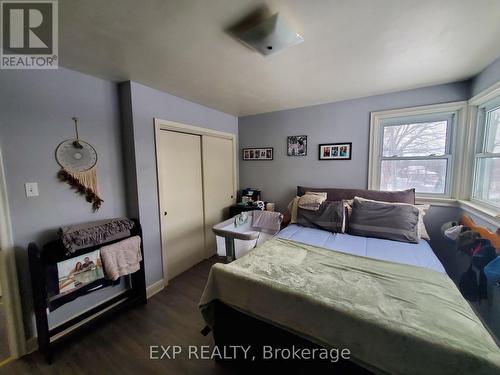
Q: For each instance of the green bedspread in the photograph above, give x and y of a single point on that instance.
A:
(394, 318)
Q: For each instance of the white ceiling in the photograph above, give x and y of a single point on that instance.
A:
(352, 48)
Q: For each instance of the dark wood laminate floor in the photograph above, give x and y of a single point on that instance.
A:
(121, 345)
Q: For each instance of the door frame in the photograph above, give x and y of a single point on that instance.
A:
(8, 275)
(162, 125)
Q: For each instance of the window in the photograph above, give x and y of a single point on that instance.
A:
(414, 148)
(486, 187)
(415, 155)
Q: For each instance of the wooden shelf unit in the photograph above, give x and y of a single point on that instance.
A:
(48, 337)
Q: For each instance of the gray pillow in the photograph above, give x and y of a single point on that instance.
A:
(398, 222)
(334, 194)
(329, 216)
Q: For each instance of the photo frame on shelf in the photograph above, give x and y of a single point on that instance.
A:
(335, 151)
(258, 153)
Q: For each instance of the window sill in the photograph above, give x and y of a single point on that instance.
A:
(489, 215)
(445, 202)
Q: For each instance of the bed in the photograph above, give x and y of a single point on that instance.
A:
(390, 303)
(420, 254)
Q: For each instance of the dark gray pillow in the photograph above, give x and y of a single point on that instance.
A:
(329, 216)
(398, 222)
(334, 194)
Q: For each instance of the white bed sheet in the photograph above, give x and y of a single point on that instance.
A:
(420, 254)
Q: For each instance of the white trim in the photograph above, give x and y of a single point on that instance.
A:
(8, 275)
(470, 153)
(191, 129)
(160, 125)
(443, 202)
(155, 288)
(486, 95)
(151, 290)
(489, 215)
(459, 158)
(32, 342)
(86, 320)
(469, 146)
(457, 134)
(31, 345)
(484, 213)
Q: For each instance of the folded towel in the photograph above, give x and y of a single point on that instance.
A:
(122, 258)
(267, 221)
(78, 236)
(312, 201)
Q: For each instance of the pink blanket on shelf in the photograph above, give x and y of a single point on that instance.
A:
(122, 258)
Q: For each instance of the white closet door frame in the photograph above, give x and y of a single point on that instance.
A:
(160, 125)
(8, 276)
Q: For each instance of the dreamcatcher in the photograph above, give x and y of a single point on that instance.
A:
(78, 161)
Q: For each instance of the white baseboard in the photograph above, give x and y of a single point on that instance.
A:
(31, 345)
(154, 288)
(32, 342)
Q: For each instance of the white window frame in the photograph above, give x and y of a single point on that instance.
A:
(478, 105)
(456, 138)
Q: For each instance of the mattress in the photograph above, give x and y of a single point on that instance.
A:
(420, 254)
(394, 318)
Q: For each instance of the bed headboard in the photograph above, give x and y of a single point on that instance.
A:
(334, 194)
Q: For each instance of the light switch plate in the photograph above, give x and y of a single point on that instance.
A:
(31, 189)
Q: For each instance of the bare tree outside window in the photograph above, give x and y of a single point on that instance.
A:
(493, 136)
(414, 156)
(487, 176)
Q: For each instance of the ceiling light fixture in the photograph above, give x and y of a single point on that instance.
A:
(270, 36)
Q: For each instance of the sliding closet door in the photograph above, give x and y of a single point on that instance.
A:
(181, 201)
(218, 183)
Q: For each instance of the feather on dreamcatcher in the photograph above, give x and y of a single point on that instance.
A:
(78, 161)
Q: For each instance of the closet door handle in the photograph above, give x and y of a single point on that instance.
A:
(164, 213)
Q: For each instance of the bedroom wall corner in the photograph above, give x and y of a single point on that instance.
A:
(344, 121)
(482, 81)
(126, 119)
(146, 104)
(36, 107)
(487, 77)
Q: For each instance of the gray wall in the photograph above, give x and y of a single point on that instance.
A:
(481, 82)
(346, 121)
(144, 105)
(35, 116)
(486, 78)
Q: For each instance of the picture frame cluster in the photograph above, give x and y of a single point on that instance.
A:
(258, 153)
(296, 145)
(335, 151)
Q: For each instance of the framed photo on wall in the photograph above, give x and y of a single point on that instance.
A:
(296, 145)
(335, 151)
(257, 153)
